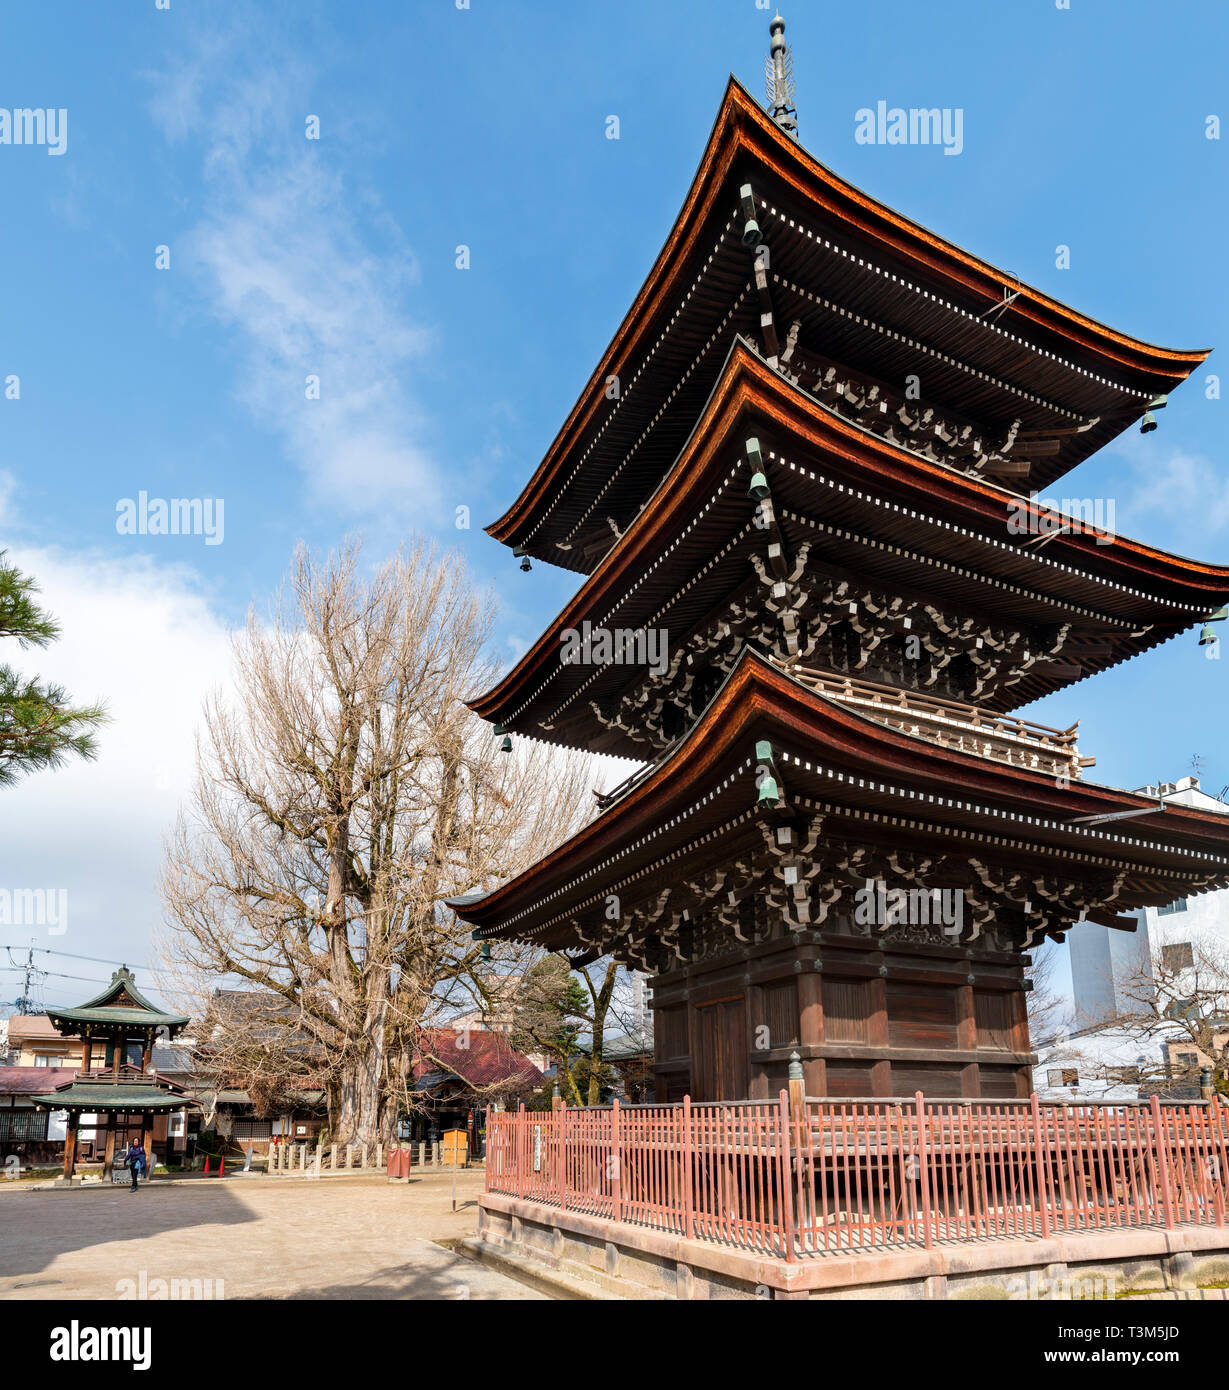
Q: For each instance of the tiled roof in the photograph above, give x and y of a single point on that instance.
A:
(33, 1081)
(480, 1058)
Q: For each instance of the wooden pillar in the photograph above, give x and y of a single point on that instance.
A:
(108, 1158)
(811, 1031)
(147, 1124)
(70, 1145)
(966, 1040)
(880, 1036)
(760, 1083)
(85, 1051)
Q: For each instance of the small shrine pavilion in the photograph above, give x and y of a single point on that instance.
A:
(123, 1094)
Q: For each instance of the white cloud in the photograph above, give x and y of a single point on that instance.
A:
(143, 639)
(1178, 486)
(285, 256)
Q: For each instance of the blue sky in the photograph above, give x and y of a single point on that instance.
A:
(440, 388)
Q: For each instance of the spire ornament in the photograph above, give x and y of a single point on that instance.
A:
(779, 79)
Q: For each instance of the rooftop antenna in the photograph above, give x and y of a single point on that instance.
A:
(779, 79)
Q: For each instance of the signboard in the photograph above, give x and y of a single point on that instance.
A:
(537, 1148)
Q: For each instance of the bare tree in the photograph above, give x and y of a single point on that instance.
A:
(1049, 1010)
(1181, 1003)
(343, 792)
(1171, 1020)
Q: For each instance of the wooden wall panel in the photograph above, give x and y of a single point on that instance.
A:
(999, 1083)
(907, 1078)
(849, 1079)
(847, 1010)
(671, 1026)
(921, 1015)
(992, 1009)
(779, 1001)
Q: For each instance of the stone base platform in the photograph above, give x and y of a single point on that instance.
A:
(622, 1261)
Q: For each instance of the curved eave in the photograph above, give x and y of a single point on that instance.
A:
(747, 385)
(161, 1100)
(68, 1022)
(757, 696)
(742, 127)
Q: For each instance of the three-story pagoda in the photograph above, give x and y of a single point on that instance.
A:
(806, 467)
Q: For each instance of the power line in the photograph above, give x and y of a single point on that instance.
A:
(72, 955)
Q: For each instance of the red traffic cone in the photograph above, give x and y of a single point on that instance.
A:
(222, 1166)
(206, 1163)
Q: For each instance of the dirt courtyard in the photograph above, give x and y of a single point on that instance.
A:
(262, 1237)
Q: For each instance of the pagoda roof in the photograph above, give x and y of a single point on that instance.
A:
(900, 295)
(697, 807)
(872, 509)
(98, 1092)
(120, 1004)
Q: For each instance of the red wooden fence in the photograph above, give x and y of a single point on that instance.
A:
(847, 1175)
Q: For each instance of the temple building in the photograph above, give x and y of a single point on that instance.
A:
(802, 486)
(116, 1092)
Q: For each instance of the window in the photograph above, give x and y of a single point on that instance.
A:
(1178, 905)
(1179, 956)
(1063, 1076)
(1188, 1059)
(23, 1125)
(46, 1059)
(252, 1129)
(1124, 1076)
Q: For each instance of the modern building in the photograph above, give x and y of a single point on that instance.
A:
(1109, 968)
(1115, 975)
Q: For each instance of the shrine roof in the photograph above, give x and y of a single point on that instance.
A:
(698, 803)
(119, 1004)
(900, 292)
(103, 1095)
(869, 508)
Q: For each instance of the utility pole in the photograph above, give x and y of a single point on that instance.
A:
(24, 1003)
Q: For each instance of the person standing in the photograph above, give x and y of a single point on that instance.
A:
(135, 1162)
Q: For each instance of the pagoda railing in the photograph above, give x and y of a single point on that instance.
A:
(1004, 737)
(128, 1076)
(842, 1176)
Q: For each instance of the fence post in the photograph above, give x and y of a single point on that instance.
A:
(616, 1157)
(1043, 1166)
(561, 1128)
(689, 1216)
(1162, 1162)
(493, 1147)
(787, 1187)
(923, 1161)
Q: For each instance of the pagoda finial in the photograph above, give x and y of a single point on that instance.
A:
(779, 79)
